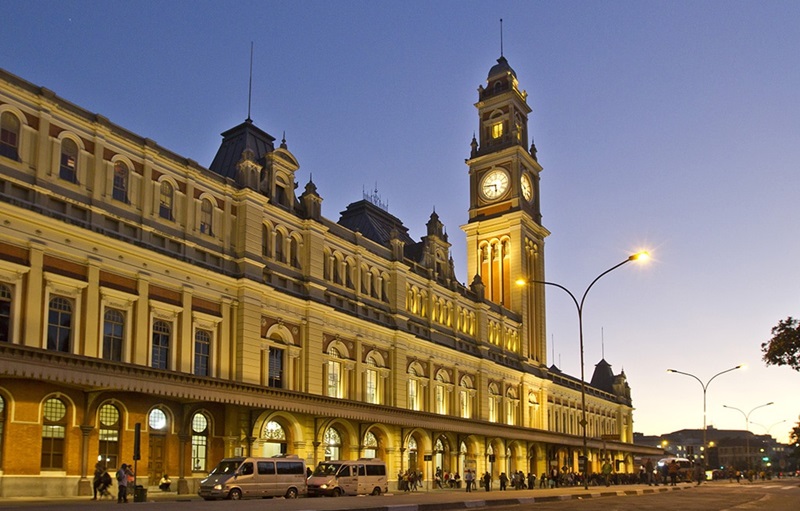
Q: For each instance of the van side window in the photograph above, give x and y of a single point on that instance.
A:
(376, 470)
(345, 472)
(266, 467)
(362, 471)
(291, 467)
(247, 469)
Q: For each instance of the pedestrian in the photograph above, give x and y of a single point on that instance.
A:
(503, 481)
(699, 473)
(648, 468)
(673, 472)
(122, 483)
(487, 481)
(607, 468)
(468, 478)
(99, 470)
(531, 480)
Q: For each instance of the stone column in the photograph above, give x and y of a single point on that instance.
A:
(183, 484)
(84, 483)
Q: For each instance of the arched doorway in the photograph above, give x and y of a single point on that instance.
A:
(332, 441)
(157, 459)
(273, 439)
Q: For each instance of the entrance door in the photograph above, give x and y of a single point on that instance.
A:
(156, 462)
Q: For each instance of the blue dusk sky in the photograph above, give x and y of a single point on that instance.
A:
(672, 126)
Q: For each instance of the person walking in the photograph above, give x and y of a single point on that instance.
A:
(607, 469)
(487, 481)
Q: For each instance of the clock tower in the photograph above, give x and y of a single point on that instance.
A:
(505, 236)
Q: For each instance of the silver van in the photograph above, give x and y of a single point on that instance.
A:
(360, 477)
(248, 478)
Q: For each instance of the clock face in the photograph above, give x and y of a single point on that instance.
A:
(527, 187)
(494, 184)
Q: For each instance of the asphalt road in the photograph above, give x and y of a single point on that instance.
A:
(776, 495)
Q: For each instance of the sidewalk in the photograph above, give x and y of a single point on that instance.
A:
(422, 500)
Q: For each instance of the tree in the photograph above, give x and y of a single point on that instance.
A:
(784, 347)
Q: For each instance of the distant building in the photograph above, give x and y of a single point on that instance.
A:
(215, 312)
(727, 449)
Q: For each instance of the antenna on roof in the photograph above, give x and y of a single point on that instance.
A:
(250, 85)
(501, 37)
(602, 344)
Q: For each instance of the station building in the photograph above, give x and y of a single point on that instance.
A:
(151, 304)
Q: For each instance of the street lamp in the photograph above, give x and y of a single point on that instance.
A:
(747, 425)
(768, 429)
(705, 388)
(639, 256)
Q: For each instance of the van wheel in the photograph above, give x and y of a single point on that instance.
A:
(337, 492)
(235, 494)
(291, 493)
(376, 491)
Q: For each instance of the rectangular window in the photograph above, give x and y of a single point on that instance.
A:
(291, 468)
(440, 404)
(371, 382)
(109, 446)
(113, 334)
(202, 352)
(334, 379)
(199, 447)
(265, 467)
(275, 368)
(5, 313)
(497, 130)
(413, 395)
(53, 446)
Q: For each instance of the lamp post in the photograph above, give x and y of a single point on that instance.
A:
(579, 305)
(768, 429)
(705, 388)
(747, 426)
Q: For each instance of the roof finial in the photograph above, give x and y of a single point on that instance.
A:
(501, 37)
(250, 85)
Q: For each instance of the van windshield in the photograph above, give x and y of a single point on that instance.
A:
(326, 469)
(225, 467)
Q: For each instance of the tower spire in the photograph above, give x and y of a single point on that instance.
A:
(250, 85)
(501, 37)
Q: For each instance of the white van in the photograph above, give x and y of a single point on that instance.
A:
(247, 478)
(360, 477)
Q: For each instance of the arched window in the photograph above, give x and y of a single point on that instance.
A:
(414, 388)
(165, 201)
(441, 392)
(157, 421)
(494, 403)
(162, 334)
(275, 375)
(333, 444)
(206, 217)
(371, 381)
(294, 252)
(199, 442)
(109, 435)
(59, 325)
(512, 404)
(113, 334)
(9, 136)
(68, 170)
(120, 186)
(279, 246)
(274, 439)
(202, 353)
(334, 369)
(370, 445)
(5, 313)
(54, 426)
(266, 241)
(465, 397)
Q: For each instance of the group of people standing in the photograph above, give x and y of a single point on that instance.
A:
(101, 482)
